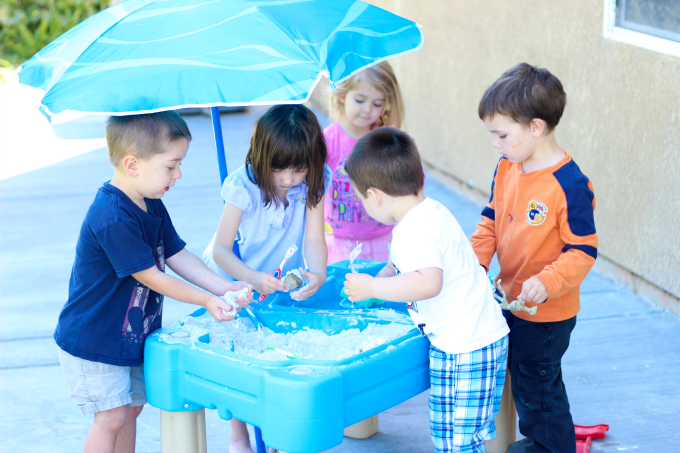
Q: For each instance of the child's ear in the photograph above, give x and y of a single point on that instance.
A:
(537, 127)
(342, 98)
(375, 196)
(129, 164)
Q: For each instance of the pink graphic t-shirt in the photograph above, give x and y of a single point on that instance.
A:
(345, 215)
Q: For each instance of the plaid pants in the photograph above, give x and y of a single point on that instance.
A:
(465, 395)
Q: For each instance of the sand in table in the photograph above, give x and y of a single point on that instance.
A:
(306, 343)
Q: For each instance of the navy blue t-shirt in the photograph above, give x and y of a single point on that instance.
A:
(109, 313)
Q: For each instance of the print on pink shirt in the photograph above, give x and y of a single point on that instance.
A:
(346, 206)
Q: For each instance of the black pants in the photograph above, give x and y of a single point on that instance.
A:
(535, 361)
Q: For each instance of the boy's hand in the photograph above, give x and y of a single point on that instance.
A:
(266, 284)
(238, 286)
(533, 290)
(358, 287)
(314, 282)
(216, 306)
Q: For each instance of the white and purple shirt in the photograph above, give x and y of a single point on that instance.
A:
(265, 233)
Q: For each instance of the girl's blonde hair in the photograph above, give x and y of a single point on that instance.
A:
(382, 77)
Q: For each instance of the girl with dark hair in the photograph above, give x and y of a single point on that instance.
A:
(273, 202)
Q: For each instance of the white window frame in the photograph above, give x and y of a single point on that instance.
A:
(611, 31)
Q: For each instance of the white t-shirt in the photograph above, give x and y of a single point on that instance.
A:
(464, 316)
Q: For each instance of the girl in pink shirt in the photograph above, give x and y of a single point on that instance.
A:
(367, 100)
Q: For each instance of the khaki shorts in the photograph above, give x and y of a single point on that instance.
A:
(96, 386)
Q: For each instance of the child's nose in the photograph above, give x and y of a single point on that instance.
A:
(287, 177)
(495, 143)
(178, 173)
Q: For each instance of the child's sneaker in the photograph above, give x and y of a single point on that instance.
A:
(525, 445)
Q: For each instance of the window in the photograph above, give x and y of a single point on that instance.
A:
(651, 24)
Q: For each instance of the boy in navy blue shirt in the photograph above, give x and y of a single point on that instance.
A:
(118, 278)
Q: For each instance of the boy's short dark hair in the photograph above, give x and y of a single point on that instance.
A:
(386, 159)
(525, 92)
(143, 135)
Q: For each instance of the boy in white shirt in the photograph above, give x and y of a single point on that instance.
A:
(434, 269)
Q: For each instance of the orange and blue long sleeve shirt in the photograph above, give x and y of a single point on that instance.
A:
(540, 224)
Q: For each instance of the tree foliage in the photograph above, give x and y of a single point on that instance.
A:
(26, 26)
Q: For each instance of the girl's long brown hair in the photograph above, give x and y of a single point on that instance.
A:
(287, 136)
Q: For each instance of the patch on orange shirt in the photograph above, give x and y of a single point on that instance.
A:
(536, 213)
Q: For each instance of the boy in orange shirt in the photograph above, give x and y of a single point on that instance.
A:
(539, 221)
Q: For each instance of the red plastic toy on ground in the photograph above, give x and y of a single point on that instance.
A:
(583, 446)
(586, 434)
(595, 431)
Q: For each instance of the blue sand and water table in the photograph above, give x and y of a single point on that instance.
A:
(299, 405)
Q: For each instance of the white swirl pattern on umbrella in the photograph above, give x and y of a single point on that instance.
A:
(168, 62)
(159, 12)
(118, 41)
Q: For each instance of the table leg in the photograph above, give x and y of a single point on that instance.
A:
(506, 421)
(362, 430)
(183, 432)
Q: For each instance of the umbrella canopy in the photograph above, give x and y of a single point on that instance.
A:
(144, 56)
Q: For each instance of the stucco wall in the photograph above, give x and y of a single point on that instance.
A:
(621, 124)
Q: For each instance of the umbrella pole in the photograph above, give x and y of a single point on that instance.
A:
(221, 158)
(219, 143)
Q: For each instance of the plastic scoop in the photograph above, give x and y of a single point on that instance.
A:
(278, 271)
(286, 353)
(253, 318)
(368, 303)
(356, 251)
(352, 267)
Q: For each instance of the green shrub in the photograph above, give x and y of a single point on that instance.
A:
(26, 26)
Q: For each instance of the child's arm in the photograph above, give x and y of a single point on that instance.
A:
(192, 269)
(483, 240)
(223, 254)
(578, 255)
(408, 287)
(316, 253)
(183, 292)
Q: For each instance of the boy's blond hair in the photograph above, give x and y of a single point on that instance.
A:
(143, 135)
(382, 77)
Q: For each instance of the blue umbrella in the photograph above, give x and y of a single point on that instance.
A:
(144, 56)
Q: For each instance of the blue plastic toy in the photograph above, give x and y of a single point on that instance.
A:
(363, 267)
(368, 303)
(297, 405)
